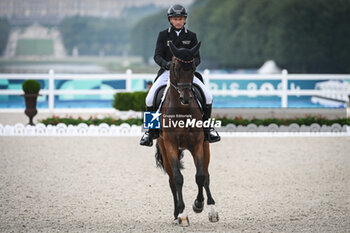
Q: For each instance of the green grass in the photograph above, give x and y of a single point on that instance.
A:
(34, 47)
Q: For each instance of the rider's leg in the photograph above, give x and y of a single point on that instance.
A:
(150, 134)
(208, 95)
(161, 80)
(210, 133)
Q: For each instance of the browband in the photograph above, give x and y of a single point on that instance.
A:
(183, 60)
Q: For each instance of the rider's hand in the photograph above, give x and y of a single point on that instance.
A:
(167, 66)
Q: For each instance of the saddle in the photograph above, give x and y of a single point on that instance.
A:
(197, 91)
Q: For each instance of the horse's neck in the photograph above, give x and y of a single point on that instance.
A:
(172, 97)
(172, 100)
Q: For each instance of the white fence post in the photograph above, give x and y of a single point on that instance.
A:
(51, 90)
(284, 97)
(348, 106)
(128, 80)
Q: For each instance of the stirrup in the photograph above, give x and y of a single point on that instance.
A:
(212, 135)
(148, 136)
(147, 139)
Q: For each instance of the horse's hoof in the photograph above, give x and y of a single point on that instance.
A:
(198, 206)
(183, 221)
(213, 217)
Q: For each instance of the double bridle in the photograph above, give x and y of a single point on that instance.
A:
(184, 85)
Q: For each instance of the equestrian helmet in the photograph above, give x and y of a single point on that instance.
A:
(177, 10)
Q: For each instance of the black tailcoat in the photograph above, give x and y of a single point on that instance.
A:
(163, 55)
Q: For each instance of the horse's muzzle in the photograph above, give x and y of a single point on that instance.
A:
(185, 101)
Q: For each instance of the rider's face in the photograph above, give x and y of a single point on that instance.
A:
(178, 22)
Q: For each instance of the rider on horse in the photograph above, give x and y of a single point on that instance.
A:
(181, 37)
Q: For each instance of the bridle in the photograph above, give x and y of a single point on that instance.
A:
(184, 85)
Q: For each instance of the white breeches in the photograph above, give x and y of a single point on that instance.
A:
(163, 80)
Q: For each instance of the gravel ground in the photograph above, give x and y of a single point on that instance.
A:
(101, 184)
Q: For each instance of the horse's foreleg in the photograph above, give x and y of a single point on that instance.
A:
(174, 163)
(213, 214)
(198, 157)
(179, 180)
(170, 173)
(173, 190)
(206, 161)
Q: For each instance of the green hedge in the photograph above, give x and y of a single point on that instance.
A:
(31, 86)
(130, 101)
(308, 120)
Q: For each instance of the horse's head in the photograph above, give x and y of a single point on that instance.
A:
(182, 69)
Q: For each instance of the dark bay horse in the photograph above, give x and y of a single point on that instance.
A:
(179, 104)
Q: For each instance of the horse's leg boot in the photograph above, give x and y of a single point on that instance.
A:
(210, 134)
(150, 134)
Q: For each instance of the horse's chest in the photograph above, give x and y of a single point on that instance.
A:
(188, 138)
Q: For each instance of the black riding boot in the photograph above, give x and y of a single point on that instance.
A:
(150, 134)
(210, 134)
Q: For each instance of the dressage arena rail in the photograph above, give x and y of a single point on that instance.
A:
(283, 91)
(125, 129)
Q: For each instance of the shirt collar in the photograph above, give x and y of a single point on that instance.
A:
(178, 32)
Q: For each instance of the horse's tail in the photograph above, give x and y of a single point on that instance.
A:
(180, 156)
(159, 158)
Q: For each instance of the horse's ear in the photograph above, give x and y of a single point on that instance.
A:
(195, 49)
(173, 48)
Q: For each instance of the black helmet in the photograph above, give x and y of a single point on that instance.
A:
(177, 10)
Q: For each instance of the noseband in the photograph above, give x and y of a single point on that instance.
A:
(184, 85)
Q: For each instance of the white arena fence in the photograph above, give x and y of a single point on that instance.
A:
(282, 91)
(125, 129)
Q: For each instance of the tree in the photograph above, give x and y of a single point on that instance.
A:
(145, 33)
(4, 35)
(302, 36)
(94, 35)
